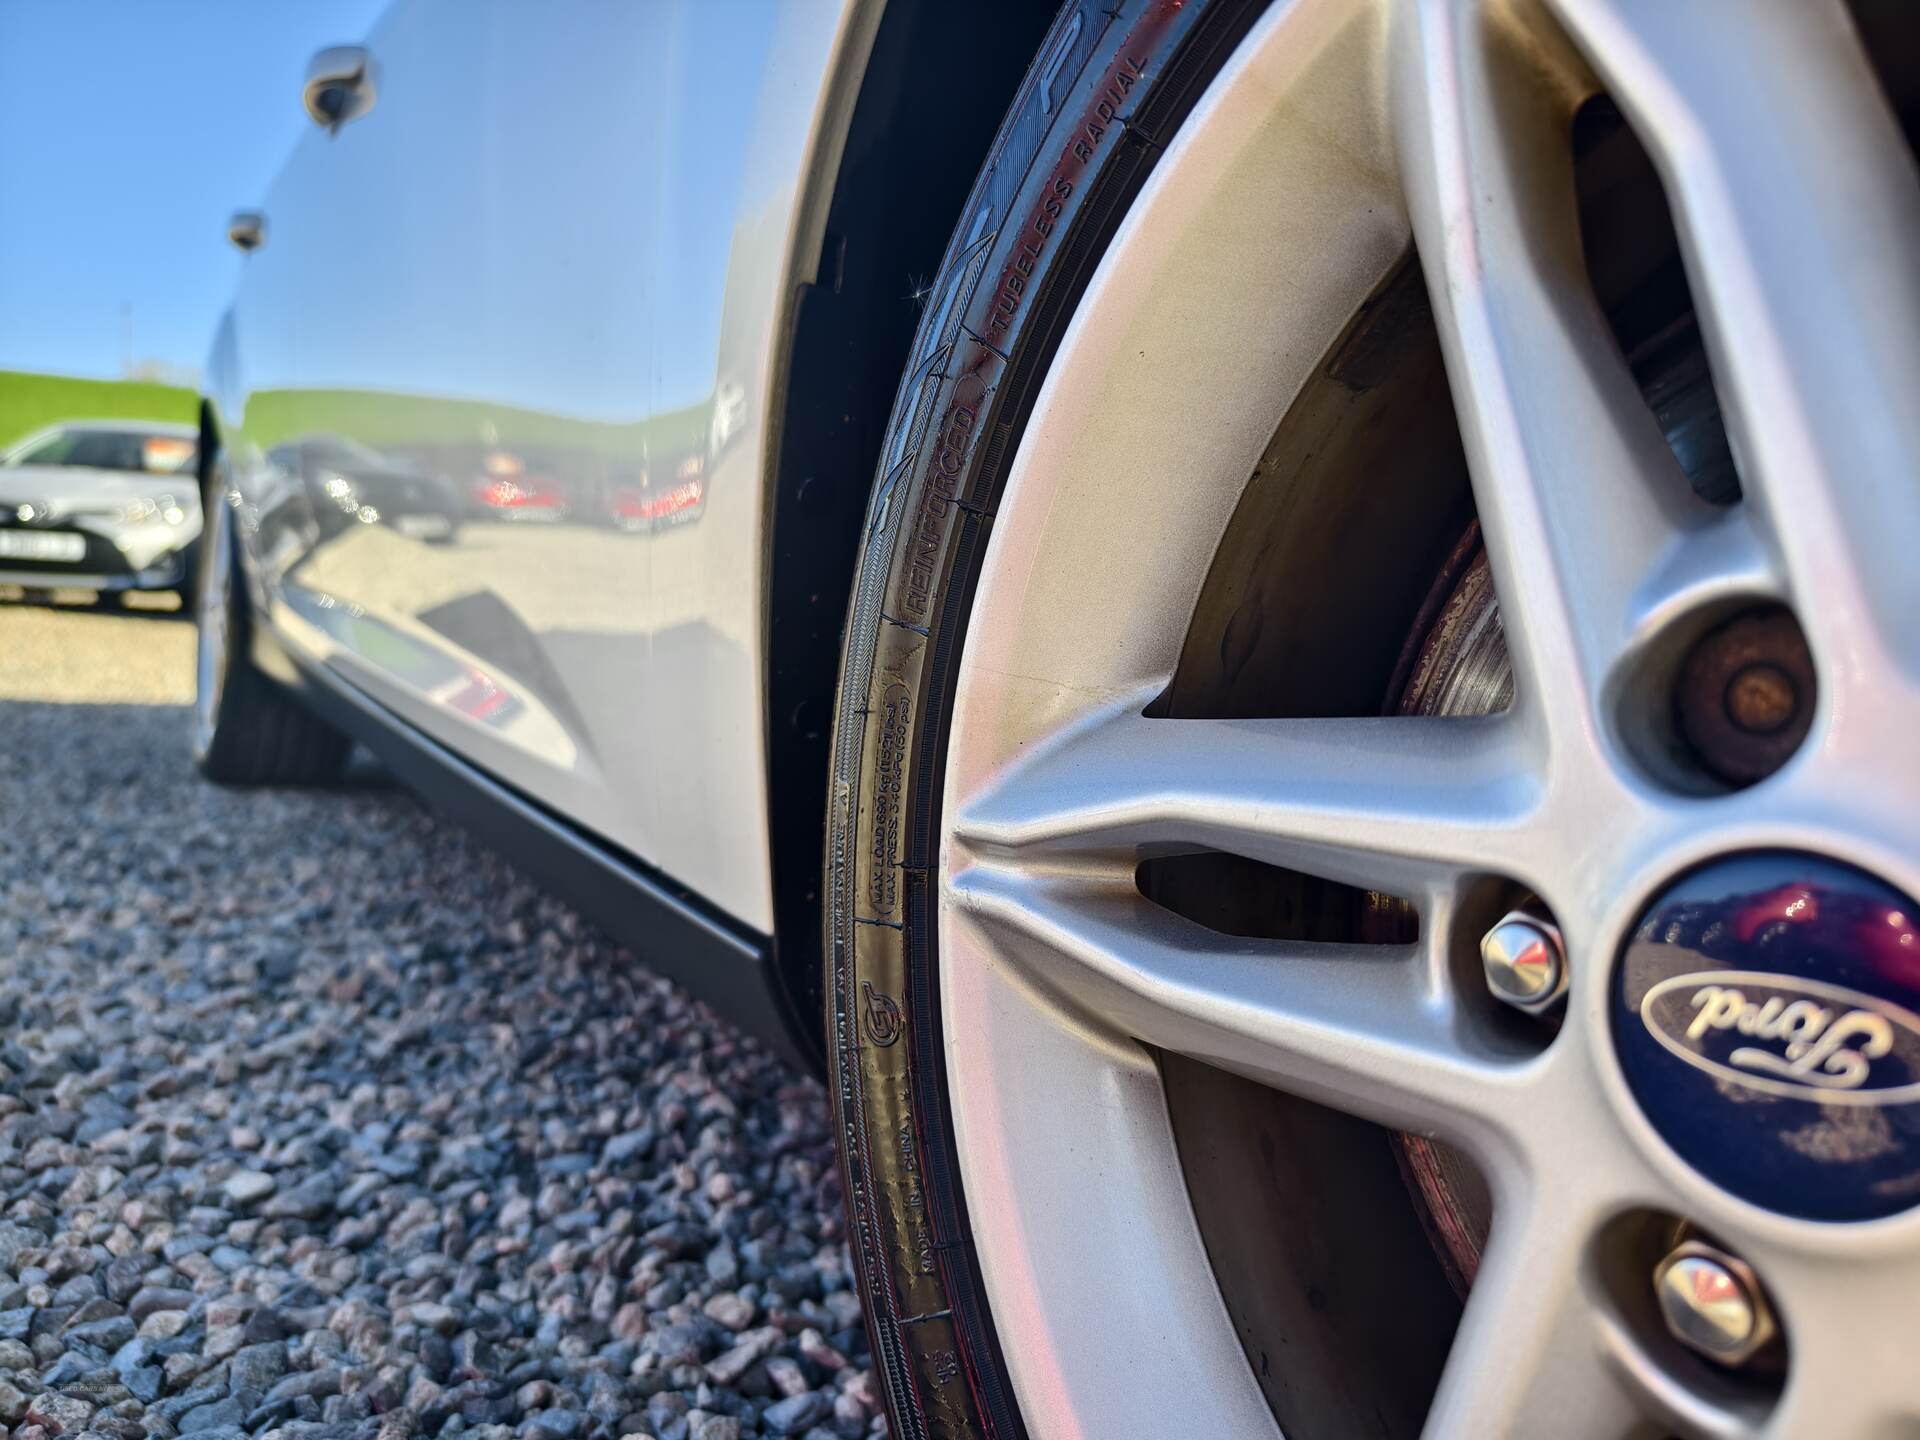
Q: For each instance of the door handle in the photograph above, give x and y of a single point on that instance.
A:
(340, 86)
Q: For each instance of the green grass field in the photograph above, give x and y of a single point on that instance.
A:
(380, 418)
(29, 401)
(376, 418)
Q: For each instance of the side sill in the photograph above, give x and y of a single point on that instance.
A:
(667, 927)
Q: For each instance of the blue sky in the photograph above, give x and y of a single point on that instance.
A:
(129, 131)
(540, 209)
(543, 209)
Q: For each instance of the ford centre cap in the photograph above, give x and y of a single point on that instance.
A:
(1767, 1015)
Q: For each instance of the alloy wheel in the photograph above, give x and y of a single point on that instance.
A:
(1342, 134)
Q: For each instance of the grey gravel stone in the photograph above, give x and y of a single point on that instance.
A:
(145, 1383)
(16, 1240)
(786, 1376)
(309, 1200)
(212, 1416)
(67, 1369)
(60, 1414)
(122, 1279)
(796, 1413)
(164, 1324)
(624, 1149)
(108, 1334)
(551, 1425)
(257, 1367)
(729, 1309)
(316, 1120)
(317, 1384)
(247, 1187)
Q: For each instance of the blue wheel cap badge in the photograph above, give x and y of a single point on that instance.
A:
(1767, 1016)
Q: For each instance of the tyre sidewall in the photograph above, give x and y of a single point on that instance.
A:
(218, 561)
(1103, 97)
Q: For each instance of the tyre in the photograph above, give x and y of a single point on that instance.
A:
(246, 729)
(1327, 688)
(189, 582)
(1107, 91)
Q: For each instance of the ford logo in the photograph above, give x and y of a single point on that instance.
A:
(1785, 1035)
(1766, 1016)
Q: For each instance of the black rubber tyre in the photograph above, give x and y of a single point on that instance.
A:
(252, 732)
(1106, 91)
(189, 577)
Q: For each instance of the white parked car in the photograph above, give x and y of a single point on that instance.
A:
(1293, 663)
(102, 505)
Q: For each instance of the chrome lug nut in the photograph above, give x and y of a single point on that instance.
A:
(1713, 1303)
(1525, 962)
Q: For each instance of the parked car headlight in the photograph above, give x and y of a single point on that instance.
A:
(339, 489)
(155, 507)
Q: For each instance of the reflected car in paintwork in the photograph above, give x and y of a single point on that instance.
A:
(506, 488)
(642, 504)
(350, 483)
(102, 505)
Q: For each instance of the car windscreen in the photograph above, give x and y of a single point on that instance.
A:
(133, 450)
(347, 454)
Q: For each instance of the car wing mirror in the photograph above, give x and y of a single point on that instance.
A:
(247, 230)
(340, 86)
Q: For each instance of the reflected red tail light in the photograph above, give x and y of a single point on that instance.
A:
(680, 497)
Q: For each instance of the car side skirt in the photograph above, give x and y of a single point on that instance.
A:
(667, 927)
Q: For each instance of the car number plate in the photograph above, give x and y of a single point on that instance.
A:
(423, 527)
(29, 545)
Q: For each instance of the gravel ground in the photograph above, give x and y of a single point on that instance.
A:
(317, 1121)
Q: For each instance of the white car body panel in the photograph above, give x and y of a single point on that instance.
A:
(436, 286)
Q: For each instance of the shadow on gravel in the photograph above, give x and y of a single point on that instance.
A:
(316, 1120)
(133, 607)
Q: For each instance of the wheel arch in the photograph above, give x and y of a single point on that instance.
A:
(208, 445)
(935, 86)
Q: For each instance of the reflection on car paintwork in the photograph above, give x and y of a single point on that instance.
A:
(349, 483)
(506, 490)
(427, 664)
(589, 382)
(729, 416)
(639, 507)
(478, 696)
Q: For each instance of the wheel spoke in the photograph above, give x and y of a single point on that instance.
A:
(1397, 804)
(1798, 208)
(1360, 1028)
(1580, 497)
(1849, 1369)
(1530, 1357)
